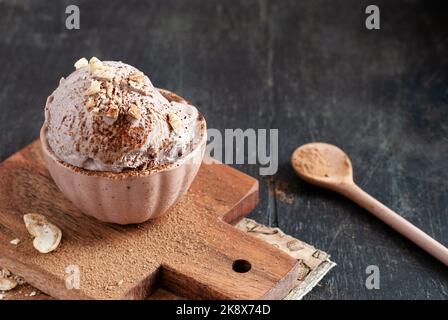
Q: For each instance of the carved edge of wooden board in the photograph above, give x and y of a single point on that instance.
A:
(314, 264)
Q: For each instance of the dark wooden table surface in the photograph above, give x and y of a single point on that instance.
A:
(309, 68)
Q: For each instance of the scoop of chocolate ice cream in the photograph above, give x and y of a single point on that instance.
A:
(107, 116)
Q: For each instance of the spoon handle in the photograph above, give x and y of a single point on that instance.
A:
(397, 222)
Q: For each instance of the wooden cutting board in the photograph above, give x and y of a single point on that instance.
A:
(191, 251)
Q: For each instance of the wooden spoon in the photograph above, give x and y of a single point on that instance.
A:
(329, 167)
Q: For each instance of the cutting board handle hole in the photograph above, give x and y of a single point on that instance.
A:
(241, 266)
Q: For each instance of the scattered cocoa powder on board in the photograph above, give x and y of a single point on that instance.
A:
(112, 258)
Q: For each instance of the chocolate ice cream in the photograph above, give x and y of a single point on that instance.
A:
(107, 116)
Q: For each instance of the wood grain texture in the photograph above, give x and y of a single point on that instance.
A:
(308, 68)
(190, 251)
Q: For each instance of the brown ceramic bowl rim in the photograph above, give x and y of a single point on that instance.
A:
(131, 173)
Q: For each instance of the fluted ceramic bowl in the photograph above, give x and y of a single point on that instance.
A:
(126, 197)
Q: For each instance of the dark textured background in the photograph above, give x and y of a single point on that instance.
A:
(309, 68)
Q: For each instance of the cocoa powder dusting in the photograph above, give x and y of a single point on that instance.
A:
(312, 162)
(112, 259)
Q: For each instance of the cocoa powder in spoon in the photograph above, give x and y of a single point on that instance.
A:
(312, 162)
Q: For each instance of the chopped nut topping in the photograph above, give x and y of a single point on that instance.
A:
(175, 122)
(112, 112)
(15, 242)
(90, 104)
(105, 96)
(4, 273)
(47, 235)
(137, 76)
(81, 63)
(95, 64)
(134, 111)
(103, 74)
(95, 87)
(119, 283)
(7, 284)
